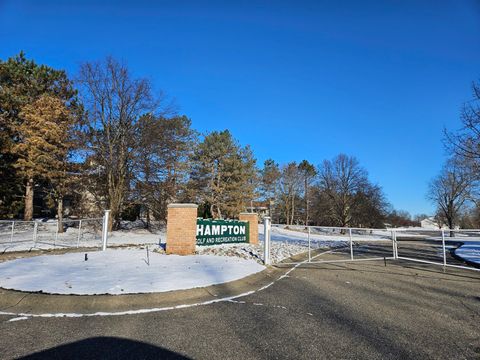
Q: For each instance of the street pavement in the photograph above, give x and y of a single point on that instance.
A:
(364, 310)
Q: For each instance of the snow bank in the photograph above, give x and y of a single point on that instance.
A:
(121, 272)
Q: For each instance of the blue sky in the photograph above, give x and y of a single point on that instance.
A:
(375, 79)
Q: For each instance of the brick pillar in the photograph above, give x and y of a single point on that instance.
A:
(181, 229)
(252, 219)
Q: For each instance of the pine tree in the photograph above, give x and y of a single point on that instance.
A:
(223, 175)
(162, 154)
(43, 145)
(22, 81)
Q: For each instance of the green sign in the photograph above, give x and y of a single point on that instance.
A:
(214, 232)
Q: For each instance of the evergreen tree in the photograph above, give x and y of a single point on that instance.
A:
(270, 174)
(269, 181)
(43, 146)
(22, 82)
(163, 150)
(223, 174)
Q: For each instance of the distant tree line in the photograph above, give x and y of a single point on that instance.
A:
(337, 192)
(107, 140)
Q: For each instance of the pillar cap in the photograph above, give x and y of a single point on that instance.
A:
(176, 205)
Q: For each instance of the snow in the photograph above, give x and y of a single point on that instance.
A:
(157, 309)
(469, 252)
(121, 271)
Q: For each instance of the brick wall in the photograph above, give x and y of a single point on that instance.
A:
(252, 219)
(181, 229)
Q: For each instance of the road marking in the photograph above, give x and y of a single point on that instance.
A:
(18, 318)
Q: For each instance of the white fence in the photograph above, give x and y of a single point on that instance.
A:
(18, 235)
(456, 248)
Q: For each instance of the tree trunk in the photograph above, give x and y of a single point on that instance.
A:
(28, 212)
(287, 210)
(450, 221)
(293, 209)
(60, 214)
(110, 222)
(148, 217)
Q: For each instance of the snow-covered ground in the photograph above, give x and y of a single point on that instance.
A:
(469, 251)
(121, 271)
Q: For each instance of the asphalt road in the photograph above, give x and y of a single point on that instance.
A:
(320, 311)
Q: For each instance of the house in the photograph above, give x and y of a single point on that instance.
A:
(432, 224)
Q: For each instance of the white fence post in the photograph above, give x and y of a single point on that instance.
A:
(393, 243)
(266, 240)
(106, 217)
(351, 243)
(79, 233)
(13, 227)
(309, 247)
(396, 244)
(35, 228)
(56, 235)
(443, 248)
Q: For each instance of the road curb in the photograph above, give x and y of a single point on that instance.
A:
(19, 302)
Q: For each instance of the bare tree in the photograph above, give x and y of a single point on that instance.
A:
(341, 179)
(465, 143)
(370, 207)
(289, 190)
(450, 191)
(308, 173)
(114, 101)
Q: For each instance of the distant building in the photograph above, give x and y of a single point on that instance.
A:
(432, 224)
(429, 223)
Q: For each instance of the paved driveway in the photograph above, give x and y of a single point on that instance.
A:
(343, 311)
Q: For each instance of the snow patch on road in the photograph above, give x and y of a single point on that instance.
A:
(469, 252)
(121, 272)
